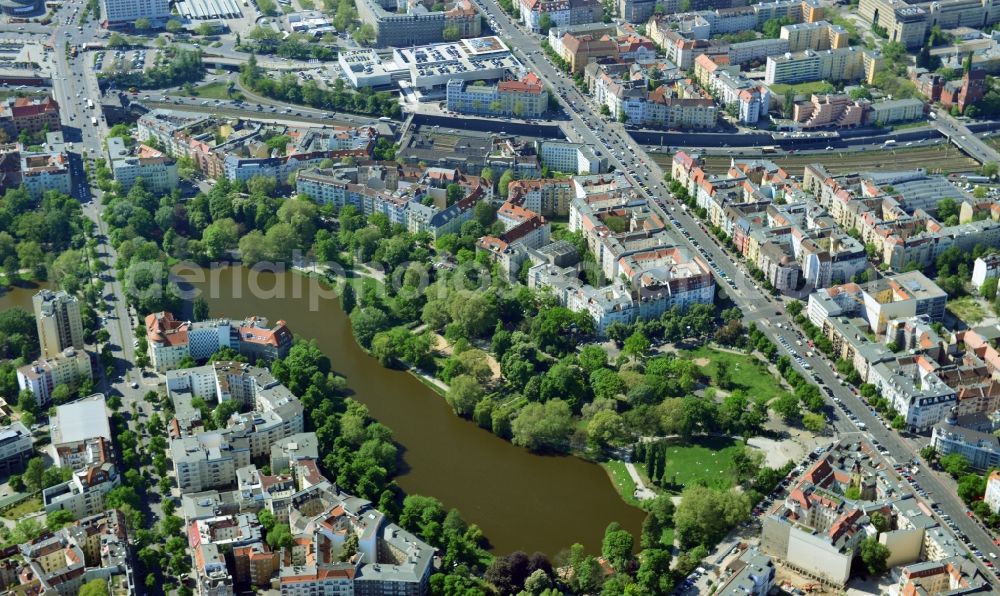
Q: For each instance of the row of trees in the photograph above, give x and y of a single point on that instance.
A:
(288, 88)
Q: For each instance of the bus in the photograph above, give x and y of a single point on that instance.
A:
(889, 143)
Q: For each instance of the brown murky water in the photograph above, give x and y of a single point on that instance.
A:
(520, 500)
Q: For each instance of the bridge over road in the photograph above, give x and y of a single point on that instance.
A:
(959, 134)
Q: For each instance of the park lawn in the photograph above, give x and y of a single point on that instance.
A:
(802, 88)
(706, 458)
(621, 480)
(748, 372)
(22, 509)
(216, 90)
(968, 309)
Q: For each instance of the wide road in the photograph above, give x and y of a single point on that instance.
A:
(589, 127)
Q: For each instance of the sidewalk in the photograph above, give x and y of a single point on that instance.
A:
(642, 492)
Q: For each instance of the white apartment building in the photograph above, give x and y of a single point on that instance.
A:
(992, 496)
(985, 268)
(571, 158)
(126, 12)
(158, 172)
(208, 460)
(83, 494)
(841, 64)
(15, 447)
(42, 376)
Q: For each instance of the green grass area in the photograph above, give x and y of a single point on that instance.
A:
(905, 125)
(216, 90)
(803, 88)
(708, 459)
(622, 481)
(668, 536)
(747, 372)
(968, 309)
(31, 505)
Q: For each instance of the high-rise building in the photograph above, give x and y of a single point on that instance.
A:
(126, 12)
(59, 325)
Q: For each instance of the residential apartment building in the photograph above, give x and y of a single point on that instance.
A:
(729, 87)
(16, 447)
(819, 36)
(663, 107)
(842, 64)
(170, 340)
(83, 494)
(31, 115)
(561, 12)
(545, 196)
(984, 268)
(571, 158)
(121, 13)
(57, 315)
(982, 450)
(892, 111)
(208, 460)
(752, 573)
(526, 98)
(41, 377)
(81, 434)
(821, 111)
(992, 495)
(61, 562)
(44, 171)
(157, 171)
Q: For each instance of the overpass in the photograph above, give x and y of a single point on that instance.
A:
(963, 138)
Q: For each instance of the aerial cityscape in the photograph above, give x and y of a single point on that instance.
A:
(499, 297)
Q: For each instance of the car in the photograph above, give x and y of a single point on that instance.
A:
(134, 385)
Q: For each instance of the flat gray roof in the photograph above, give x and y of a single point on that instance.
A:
(81, 420)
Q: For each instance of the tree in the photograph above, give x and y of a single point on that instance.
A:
(34, 474)
(814, 422)
(464, 393)
(58, 519)
(653, 574)
(606, 428)
(364, 35)
(279, 536)
(617, 547)
(505, 180)
(95, 587)
(971, 487)
(955, 464)
(543, 427)
(142, 24)
(989, 288)
(879, 521)
(704, 515)
(874, 555)
(173, 26)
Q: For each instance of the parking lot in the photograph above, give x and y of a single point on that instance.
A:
(114, 60)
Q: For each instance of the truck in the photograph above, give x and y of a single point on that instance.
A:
(93, 120)
(90, 104)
